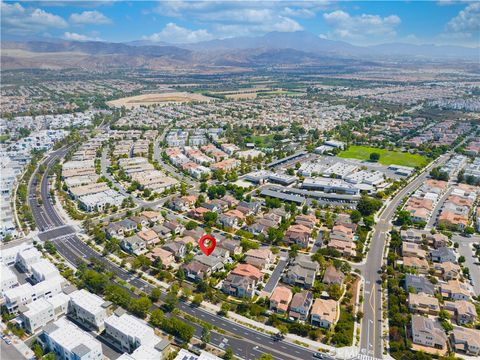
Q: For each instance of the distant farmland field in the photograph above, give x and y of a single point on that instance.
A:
(154, 99)
(387, 157)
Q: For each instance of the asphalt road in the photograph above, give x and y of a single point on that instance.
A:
(246, 343)
(465, 249)
(9, 352)
(371, 332)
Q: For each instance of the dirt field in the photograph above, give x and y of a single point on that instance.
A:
(154, 99)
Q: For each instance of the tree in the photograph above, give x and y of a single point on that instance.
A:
(265, 357)
(197, 299)
(404, 218)
(171, 301)
(334, 291)
(206, 335)
(210, 217)
(368, 205)
(374, 156)
(140, 306)
(178, 328)
(37, 350)
(283, 329)
(355, 216)
(228, 354)
(469, 230)
(190, 225)
(156, 317)
(155, 294)
(224, 309)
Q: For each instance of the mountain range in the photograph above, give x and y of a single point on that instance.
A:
(272, 49)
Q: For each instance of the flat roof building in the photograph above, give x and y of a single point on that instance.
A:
(68, 341)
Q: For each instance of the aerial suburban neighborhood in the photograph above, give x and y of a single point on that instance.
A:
(277, 192)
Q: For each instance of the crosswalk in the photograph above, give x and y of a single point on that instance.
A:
(366, 357)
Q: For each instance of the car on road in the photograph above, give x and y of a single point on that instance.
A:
(277, 337)
(319, 355)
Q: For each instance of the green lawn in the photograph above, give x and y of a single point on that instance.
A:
(387, 157)
(261, 140)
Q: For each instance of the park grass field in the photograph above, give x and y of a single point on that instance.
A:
(387, 157)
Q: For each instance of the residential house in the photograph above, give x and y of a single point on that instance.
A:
(427, 332)
(140, 220)
(455, 290)
(177, 248)
(443, 254)
(324, 313)
(134, 245)
(153, 216)
(423, 304)
(280, 299)
(249, 208)
(420, 265)
(447, 270)
(302, 273)
(463, 311)
(184, 203)
(260, 258)
(162, 231)
(232, 246)
(198, 213)
(342, 233)
(333, 276)
(437, 240)
(166, 257)
(242, 281)
(300, 305)
(196, 271)
(149, 236)
(345, 248)
(413, 249)
(412, 235)
(466, 341)
(213, 262)
(298, 234)
(175, 227)
(419, 283)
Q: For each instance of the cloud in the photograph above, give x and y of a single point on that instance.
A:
(365, 27)
(79, 37)
(298, 12)
(242, 18)
(467, 20)
(90, 17)
(20, 20)
(173, 33)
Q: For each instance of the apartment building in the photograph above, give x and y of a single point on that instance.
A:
(68, 341)
(88, 309)
(131, 334)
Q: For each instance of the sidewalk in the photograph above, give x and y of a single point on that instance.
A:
(350, 351)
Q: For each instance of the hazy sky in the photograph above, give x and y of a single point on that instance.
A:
(357, 22)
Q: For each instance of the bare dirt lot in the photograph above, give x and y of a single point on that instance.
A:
(155, 99)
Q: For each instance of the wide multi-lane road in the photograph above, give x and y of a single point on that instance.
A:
(371, 334)
(245, 342)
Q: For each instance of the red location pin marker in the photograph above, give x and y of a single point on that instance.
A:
(207, 243)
